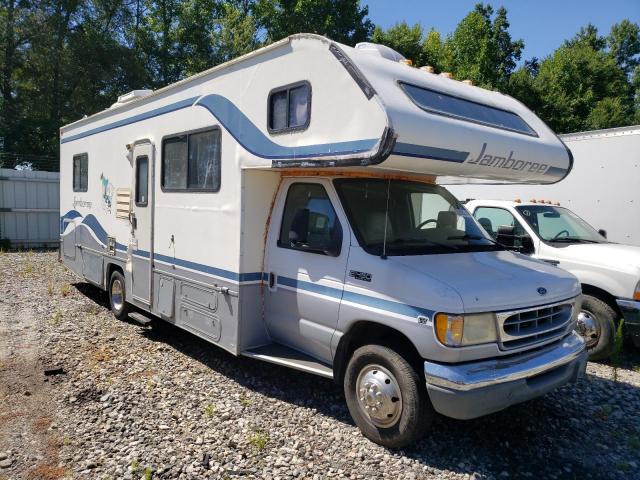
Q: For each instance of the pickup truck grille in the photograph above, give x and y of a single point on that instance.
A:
(522, 328)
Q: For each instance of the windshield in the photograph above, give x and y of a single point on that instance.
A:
(423, 219)
(556, 224)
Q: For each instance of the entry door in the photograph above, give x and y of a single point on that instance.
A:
(142, 256)
(308, 246)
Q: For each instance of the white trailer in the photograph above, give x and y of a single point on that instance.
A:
(603, 186)
(284, 206)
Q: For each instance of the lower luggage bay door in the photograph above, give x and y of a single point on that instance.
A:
(308, 246)
(141, 221)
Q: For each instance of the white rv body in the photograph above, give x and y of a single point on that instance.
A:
(212, 260)
(602, 187)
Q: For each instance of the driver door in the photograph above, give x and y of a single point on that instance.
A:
(307, 250)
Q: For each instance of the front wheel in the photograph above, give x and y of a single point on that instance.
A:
(597, 325)
(386, 398)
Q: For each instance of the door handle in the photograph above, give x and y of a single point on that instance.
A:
(272, 279)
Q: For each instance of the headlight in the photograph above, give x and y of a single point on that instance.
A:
(461, 330)
(636, 294)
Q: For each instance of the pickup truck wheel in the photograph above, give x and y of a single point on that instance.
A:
(597, 325)
(386, 398)
(117, 296)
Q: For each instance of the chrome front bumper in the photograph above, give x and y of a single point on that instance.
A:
(631, 312)
(474, 389)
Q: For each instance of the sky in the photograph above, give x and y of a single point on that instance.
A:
(542, 24)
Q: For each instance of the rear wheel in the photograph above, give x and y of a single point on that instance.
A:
(117, 296)
(597, 325)
(386, 398)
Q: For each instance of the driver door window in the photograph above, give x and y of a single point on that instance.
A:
(491, 218)
(309, 221)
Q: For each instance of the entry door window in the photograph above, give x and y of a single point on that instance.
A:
(142, 181)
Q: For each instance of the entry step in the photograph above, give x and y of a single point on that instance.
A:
(288, 357)
(140, 318)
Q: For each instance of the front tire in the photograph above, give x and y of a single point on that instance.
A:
(386, 398)
(597, 325)
(118, 296)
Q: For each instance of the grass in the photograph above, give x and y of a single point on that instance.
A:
(28, 270)
(259, 440)
(148, 473)
(616, 356)
(622, 466)
(56, 317)
(634, 442)
(245, 402)
(605, 411)
(50, 288)
(209, 410)
(134, 467)
(150, 385)
(65, 290)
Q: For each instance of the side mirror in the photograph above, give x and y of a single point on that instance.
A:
(603, 233)
(506, 235)
(527, 245)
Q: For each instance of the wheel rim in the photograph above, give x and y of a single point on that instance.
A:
(117, 298)
(587, 326)
(379, 396)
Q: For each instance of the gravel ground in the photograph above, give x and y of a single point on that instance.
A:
(159, 403)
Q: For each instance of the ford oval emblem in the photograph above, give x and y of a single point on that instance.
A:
(542, 291)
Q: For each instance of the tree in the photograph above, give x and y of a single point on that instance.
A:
(404, 39)
(624, 45)
(482, 49)
(344, 21)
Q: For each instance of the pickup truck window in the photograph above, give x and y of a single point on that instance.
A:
(559, 225)
(422, 219)
(492, 218)
(309, 222)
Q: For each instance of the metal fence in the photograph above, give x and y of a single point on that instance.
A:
(29, 208)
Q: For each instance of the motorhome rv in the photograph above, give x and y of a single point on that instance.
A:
(285, 206)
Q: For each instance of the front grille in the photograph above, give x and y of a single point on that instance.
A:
(522, 328)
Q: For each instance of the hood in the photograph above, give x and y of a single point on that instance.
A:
(614, 256)
(494, 281)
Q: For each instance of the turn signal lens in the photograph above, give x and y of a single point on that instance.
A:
(636, 294)
(449, 329)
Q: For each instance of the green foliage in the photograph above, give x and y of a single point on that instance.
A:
(344, 21)
(402, 38)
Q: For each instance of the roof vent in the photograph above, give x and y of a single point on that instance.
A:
(131, 96)
(379, 51)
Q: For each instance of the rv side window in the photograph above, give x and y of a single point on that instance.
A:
(192, 162)
(289, 108)
(80, 172)
(443, 104)
(309, 222)
(142, 180)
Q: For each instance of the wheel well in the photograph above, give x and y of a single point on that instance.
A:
(365, 333)
(601, 294)
(112, 267)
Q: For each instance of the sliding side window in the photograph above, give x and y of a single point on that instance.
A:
(289, 108)
(191, 162)
(81, 172)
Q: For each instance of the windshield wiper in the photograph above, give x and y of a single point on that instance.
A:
(573, 240)
(399, 241)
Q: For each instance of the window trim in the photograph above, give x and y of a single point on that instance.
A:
(135, 194)
(287, 246)
(73, 180)
(401, 84)
(187, 133)
(288, 88)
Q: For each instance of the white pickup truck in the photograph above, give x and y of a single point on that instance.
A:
(609, 272)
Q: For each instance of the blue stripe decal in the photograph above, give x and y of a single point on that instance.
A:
(136, 118)
(245, 132)
(424, 151)
(256, 142)
(556, 171)
(70, 215)
(366, 300)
